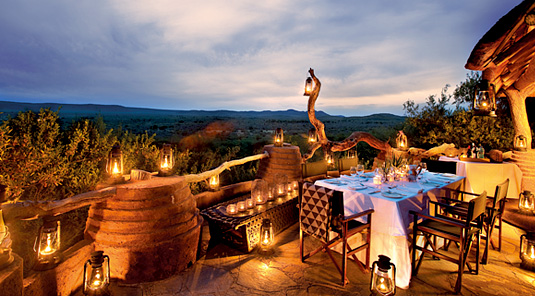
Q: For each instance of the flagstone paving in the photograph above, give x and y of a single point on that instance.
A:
(222, 270)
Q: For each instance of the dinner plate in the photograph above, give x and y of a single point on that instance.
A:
(392, 194)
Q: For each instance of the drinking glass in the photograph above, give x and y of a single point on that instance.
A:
(360, 169)
(353, 171)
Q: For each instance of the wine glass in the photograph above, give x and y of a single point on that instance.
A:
(353, 171)
(360, 169)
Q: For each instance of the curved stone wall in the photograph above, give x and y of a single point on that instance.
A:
(150, 230)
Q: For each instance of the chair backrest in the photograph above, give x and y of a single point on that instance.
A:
(344, 164)
(500, 194)
(316, 168)
(318, 206)
(476, 208)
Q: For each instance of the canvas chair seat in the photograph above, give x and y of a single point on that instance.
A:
(321, 215)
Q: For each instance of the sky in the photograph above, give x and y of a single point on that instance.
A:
(370, 56)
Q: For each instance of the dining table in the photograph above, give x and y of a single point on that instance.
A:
(486, 175)
(392, 201)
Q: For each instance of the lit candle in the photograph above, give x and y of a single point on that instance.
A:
(241, 206)
(115, 168)
(377, 180)
(250, 203)
(231, 209)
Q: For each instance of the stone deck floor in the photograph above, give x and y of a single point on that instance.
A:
(224, 271)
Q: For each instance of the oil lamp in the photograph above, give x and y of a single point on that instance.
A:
(213, 183)
(330, 159)
(47, 244)
(485, 99)
(351, 153)
(312, 135)
(383, 280)
(166, 158)
(527, 251)
(279, 137)
(526, 202)
(308, 86)
(266, 234)
(521, 143)
(114, 166)
(97, 274)
(259, 191)
(401, 141)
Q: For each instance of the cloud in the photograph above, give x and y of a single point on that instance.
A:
(240, 55)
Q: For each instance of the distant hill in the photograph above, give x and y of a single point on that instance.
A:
(89, 110)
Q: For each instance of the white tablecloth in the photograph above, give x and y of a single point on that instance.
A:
(391, 219)
(485, 176)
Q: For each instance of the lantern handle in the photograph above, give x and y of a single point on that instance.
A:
(85, 274)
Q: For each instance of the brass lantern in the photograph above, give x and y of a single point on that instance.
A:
(330, 159)
(308, 86)
(279, 137)
(527, 251)
(166, 158)
(266, 234)
(521, 143)
(485, 99)
(97, 274)
(47, 244)
(114, 166)
(526, 202)
(401, 141)
(312, 135)
(351, 153)
(383, 279)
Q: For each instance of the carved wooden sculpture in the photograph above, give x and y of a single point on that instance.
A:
(336, 146)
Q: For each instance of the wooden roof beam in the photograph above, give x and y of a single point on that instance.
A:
(526, 43)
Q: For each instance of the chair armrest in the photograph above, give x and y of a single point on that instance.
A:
(442, 220)
(357, 215)
(448, 206)
(462, 193)
(457, 201)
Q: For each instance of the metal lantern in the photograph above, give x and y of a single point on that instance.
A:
(279, 137)
(259, 191)
(521, 143)
(485, 99)
(330, 159)
(308, 86)
(383, 279)
(312, 135)
(401, 141)
(213, 182)
(114, 166)
(166, 158)
(266, 234)
(97, 274)
(526, 202)
(281, 183)
(47, 244)
(527, 250)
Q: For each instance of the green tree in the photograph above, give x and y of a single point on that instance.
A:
(447, 119)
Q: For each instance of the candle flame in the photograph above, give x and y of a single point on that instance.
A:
(115, 168)
(165, 165)
(48, 249)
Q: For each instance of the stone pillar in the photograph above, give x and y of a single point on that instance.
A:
(150, 230)
(282, 160)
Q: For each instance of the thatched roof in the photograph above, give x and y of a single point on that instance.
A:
(505, 52)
